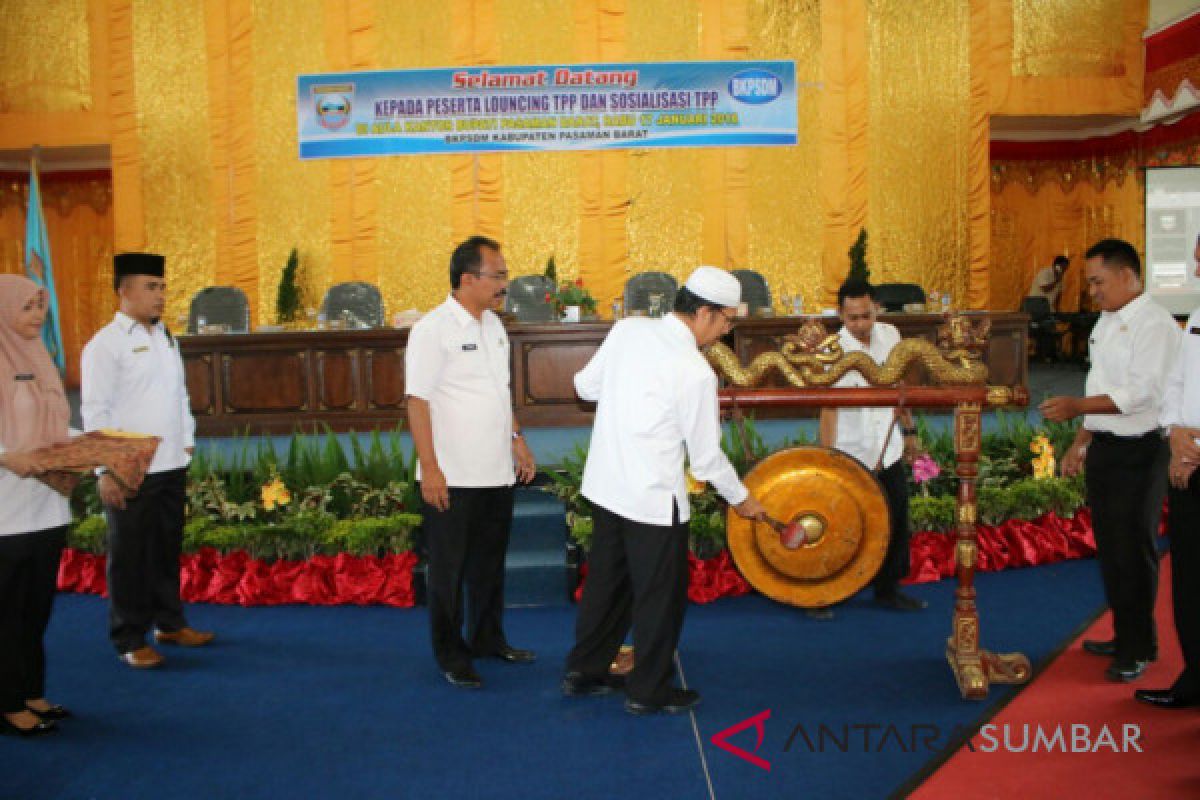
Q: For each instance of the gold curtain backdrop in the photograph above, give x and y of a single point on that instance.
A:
(1042, 209)
(79, 219)
(197, 103)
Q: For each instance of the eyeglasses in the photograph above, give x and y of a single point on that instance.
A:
(729, 319)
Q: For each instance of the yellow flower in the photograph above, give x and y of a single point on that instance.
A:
(1044, 464)
(275, 494)
(694, 486)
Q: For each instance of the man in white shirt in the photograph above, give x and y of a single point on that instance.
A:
(656, 400)
(883, 439)
(1048, 281)
(1181, 420)
(133, 380)
(470, 452)
(1120, 446)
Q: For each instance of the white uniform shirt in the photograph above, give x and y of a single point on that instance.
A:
(460, 366)
(133, 380)
(861, 431)
(26, 504)
(1044, 277)
(1181, 401)
(656, 395)
(1131, 351)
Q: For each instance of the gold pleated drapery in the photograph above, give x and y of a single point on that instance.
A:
(1058, 208)
(197, 103)
(79, 218)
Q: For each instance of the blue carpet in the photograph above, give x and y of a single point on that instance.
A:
(309, 702)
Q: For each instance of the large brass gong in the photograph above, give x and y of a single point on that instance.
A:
(841, 509)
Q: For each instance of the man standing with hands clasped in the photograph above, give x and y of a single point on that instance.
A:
(1121, 448)
(470, 452)
(883, 439)
(657, 400)
(133, 381)
(1181, 420)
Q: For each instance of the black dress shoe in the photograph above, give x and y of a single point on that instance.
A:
(515, 655)
(899, 601)
(679, 701)
(463, 678)
(576, 684)
(1126, 669)
(40, 729)
(53, 712)
(1164, 698)
(1100, 647)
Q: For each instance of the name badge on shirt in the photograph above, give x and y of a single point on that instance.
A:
(469, 347)
(24, 376)
(1194, 330)
(141, 349)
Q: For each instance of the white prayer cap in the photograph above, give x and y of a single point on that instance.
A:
(716, 286)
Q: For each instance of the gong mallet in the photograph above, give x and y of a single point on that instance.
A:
(791, 534)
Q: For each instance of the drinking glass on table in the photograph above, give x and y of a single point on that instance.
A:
(655, 302)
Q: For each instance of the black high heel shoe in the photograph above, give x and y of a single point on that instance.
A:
(43, 727)
(53, 713)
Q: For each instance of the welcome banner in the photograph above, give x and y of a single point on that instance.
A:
(555, 107)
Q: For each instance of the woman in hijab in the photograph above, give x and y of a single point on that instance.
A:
(33, 517)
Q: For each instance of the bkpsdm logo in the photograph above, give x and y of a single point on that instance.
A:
(755, 86)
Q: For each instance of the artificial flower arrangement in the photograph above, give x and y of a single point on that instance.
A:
(572, 294)
(1043, 463)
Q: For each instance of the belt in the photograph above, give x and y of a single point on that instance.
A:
(1105, 436)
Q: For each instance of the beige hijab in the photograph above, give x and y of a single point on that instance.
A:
(21, 357)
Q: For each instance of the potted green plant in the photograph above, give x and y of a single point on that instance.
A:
(572, 301)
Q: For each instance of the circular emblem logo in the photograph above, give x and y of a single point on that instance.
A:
(333, 111)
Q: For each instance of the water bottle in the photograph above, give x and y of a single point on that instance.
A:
(798, 305)
(322, 321)
(945, 302)
(618, 308)
(201, 323)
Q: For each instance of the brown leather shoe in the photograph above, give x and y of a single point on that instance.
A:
(185, 637)
(145, 657)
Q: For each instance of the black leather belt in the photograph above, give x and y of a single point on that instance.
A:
(1105, 436)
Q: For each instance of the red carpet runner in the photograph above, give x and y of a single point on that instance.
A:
(1071, 692)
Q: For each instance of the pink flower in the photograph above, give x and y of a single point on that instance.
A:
(925, 469)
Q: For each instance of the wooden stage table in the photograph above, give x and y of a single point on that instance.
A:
(354, 380)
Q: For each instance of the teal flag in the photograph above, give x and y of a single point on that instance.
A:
(38, 268)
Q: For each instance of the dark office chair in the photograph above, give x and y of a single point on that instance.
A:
(220, 305)
(756, 293)
(359, 303)
(1043, 327)
(639, 288)
(526, 299)
(895, 296)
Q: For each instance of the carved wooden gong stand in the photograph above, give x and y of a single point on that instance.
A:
(811, 362)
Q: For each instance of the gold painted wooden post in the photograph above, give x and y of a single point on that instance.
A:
(974, 669)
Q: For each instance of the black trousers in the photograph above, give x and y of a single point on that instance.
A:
(466, 545)
(144, 542)
(28, 582)
(1183, 523)
(1126, 482)
(637, 575)
(896, 563)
